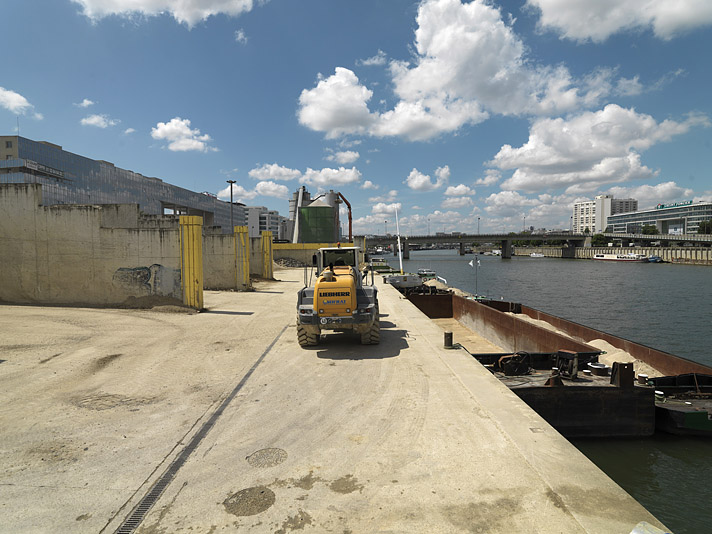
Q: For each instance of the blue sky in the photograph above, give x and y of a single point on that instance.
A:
(448, 111)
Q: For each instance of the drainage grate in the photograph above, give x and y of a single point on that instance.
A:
(147, 501)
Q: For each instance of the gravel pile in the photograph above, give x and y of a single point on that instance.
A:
(289, 262)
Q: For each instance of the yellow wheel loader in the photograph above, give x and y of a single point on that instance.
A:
(339, 299)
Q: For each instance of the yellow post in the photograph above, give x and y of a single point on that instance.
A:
(242, 258)
(267, 256)
(191, 252)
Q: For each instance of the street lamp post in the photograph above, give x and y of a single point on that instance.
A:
(428, 225)
(478, 226)
(232, 223)
(385, 227)
(524, 226)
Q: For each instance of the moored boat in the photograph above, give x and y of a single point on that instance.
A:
(379, 265)
(427, 274)
(536, 255)
(631, 257)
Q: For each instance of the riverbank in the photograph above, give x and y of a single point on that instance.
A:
(680, 255)
(253, 432)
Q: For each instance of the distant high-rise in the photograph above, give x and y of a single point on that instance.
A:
(593, 214)
(68, 178)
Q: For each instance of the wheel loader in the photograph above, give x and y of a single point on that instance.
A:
(339, 300)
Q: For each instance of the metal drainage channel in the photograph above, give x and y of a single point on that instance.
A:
(139, 512)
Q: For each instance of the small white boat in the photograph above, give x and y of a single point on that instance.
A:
(536, 255)
(427, 274)
(631, 257)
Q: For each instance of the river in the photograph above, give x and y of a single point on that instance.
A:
(664, 306)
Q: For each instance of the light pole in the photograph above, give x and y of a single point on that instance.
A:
(428, 225)
(232, 224)
(571, 227)
(478, 226)
(524, 226)
(385, 227)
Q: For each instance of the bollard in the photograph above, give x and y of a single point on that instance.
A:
(448, 340)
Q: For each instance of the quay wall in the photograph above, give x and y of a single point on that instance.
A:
(108, 255)
(84, 254)
(682, 255)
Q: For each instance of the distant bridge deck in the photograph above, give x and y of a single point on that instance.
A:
(506, 240)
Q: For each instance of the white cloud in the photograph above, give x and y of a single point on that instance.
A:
(85, 103)
(128, 131)
(239, 193)
(650, 195)
(508, 203)
(585, 151)
(100, 121)
(418, 181)
(180, 137)
(343, 158)
(388, 197)
(240, 37)
(337, 105)
(15, 103)
(491, 177)
(368, 184)
(385, 209)
(271, 189)
(273, 171)
(468, 63)
(331, 178)
(456, 203)
(583, 20)
(188, 12)
(378, 60)
(459, 190)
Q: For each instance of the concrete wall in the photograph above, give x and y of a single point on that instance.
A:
(220, 268)
(688, 255)
(104, 255)
(84, 255)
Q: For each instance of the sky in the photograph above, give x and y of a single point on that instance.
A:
(458, 116)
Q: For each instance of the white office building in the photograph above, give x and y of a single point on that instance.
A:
(260, 219)
(593, 214)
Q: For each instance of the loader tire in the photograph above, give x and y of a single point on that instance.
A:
(305, 338)
(373, 336)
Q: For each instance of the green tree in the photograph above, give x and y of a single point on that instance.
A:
(586, 230)
(649, 229)
(705, 227)
(599, 240)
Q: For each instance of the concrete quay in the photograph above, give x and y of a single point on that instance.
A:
(96, 406)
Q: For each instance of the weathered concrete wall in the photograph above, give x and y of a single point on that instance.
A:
(84, 255)
(221, 268)
(688, 255)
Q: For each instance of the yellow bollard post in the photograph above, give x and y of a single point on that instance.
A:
(242, 258)
(267, 255)
(191, 252)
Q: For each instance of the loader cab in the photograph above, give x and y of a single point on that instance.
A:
(336, 256)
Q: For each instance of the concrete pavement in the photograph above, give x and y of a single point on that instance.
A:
(405, 436)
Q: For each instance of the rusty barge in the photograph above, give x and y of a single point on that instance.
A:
(554, 365)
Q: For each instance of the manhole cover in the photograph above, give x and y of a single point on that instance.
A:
(250, 501)
(267, 457)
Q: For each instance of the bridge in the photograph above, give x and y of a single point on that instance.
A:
(505, 240)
